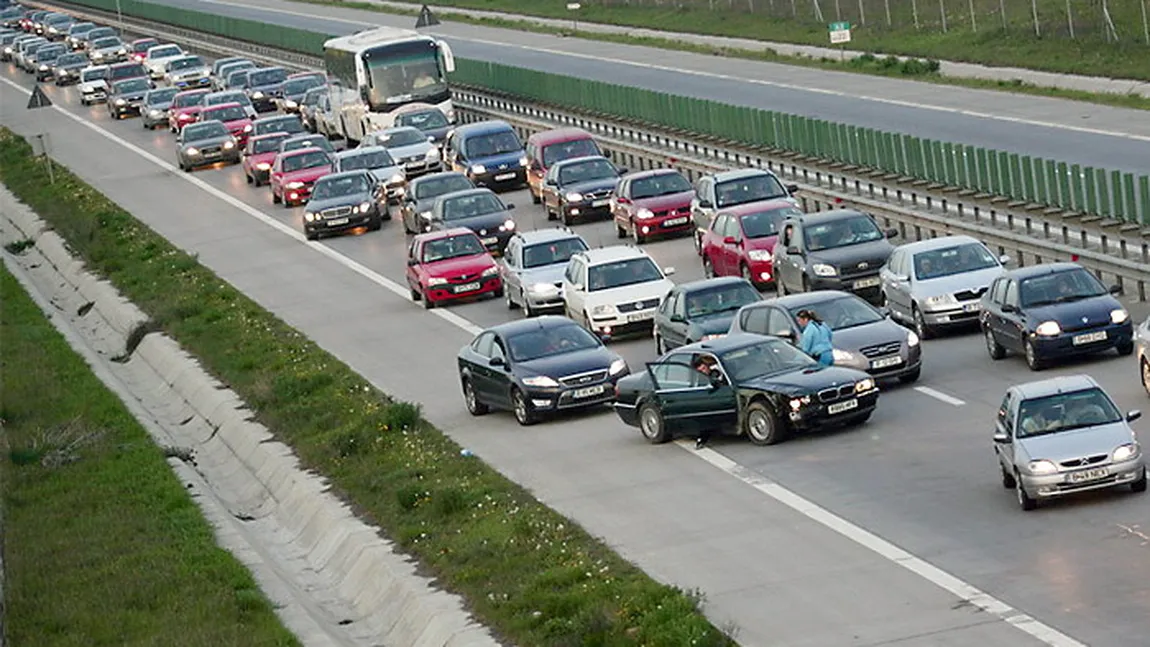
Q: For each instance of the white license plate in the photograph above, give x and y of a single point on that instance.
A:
(504, 176)
(840, 407)
(972, 307)
(600, 203)
(1089, 475)
(884, 362)
(641, 317)
(674, 221)
(490, 241)
(1090, 338)
(469, 287)
(337, 221)
(587, 392)
(866, 283)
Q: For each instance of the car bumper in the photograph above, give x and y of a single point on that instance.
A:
(563, 398)
(544, 300)
(1060, 484)
(587, 209)
(287, 106)
(815, 416)
(340, 224)
(297, 196)
(496, 243)
(499, 179)
(445, 293)
(665, 225)
(94, 97)
(866, 286)
(129, 109)
(154, 120)
(192, 84)
(961, 313)
(762, 272)
(260, 175)
(230, 157)
(1064, 344)
(623, 323)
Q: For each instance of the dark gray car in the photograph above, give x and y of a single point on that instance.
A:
(429, 120)
(343, 201)
(481, 211)
(157, 103)
(841, 249)
(203, 143)
(700, 311)
(127, 97)
(421, 194)
(294, 90)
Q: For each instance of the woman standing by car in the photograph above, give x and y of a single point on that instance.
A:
(816, 339)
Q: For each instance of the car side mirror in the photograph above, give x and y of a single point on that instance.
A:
(668, 271)
(891, 233)
(794, 251)
(1006, 307)
(1001, 437)
(1005, 259)
(623, 171)
(792, 188)
(497, 362)
(784, 334)
(411, 262)
(510, 206)
(884, 311)
(1116, 290)
(730, 240)
(1131, 416)
(705, 204)
(678, 318)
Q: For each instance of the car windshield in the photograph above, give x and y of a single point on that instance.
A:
(369, 160)
(101, 32)
(163, 95)
(598, 169)
(748, 189)
(144, 46)
(719, 299)
(186, 100)
(471, 206)
(197, 132)
(552, 253)
(333, 187)
(763, 224)
(267, 144)
(320, 142)
(1060, 287)
(290, 125)
(301, 85)
(423, 119)
(559, 151)
(94, 75)
(129, 71)
(226, 113)
(1066, 411)
(488, 144)
(185, 63)
(47, 55)
(104, 43)
(237, 79)
(937, 263)
(549, 342)
(763, 358)
(228, 97)
(400, 137)
(132, 85)
(620, 273)
(452, 247)
(311, 159)
(267, 77)
(164, 52)
(442, 185)
(654, 186)
(841, 232)
(71, 59)
(841, 312)
(227, 71)
(313, 95)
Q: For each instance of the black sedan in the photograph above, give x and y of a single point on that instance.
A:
(421, 194)
(343, 201)
(536, 367)
(481, 211)
(700, 310)
(127, 97)
(580, 188)
(1053, 311)
(764, 389)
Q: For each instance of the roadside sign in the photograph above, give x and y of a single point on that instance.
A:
(426, 18)
(39, 99)
(840, 33)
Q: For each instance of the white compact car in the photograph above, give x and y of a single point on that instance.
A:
(614, 290)
(157, 58)
(93, 84)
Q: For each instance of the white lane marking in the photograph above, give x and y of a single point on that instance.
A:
(728, 77)
(382, 281)
(939, 395)
(892, 553)
(864, 538)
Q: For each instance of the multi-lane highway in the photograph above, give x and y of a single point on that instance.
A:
(895, 532)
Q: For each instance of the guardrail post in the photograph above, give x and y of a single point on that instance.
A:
(1144, 200)
(1089, 180)
(1105, 208)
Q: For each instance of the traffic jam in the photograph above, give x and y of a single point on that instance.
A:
(801, 321)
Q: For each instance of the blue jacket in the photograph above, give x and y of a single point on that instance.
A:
(816, 340)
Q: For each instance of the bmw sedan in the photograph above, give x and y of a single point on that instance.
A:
(536, 367)
(700, 310)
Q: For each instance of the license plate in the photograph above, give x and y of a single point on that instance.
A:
(469, 287)
(884, 362)
(587, 392)
(972, 307)
(504, 176)
(1089, 338)
(866, 283)
(337, 221)
(641, 317)
(600, 203)
(490, 241)
(674, 221)
(1089, 475)
(840, 407)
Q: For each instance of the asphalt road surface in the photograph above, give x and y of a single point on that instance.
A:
(920, 475)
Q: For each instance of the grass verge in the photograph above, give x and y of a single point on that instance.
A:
(102, 544)
(530, 574)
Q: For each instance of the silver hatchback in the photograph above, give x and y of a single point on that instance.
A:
(1065, 435)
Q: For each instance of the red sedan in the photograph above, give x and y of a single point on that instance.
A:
(741, 240)
(652, 203)
(185, 108)
(294, 174)
(449, 265)
(234, 117)
(259, 155)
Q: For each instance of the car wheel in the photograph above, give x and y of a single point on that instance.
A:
(427, 302)
(565, 219)
(1146, 375)
(1007, 478)
(860, 419)
(524, 414)
(375, 224)
(249, 178)
(535, 198)
(510, 303)
(1032, 360)
(920, 328)
(528, 311)
(1125, 350)
(474, 406)
(1140, 484)
(550, 214)
(746, 274)
(414, 293)
(498, 294)
(994, 348)
(780, 288)
(651, 424)
(908, 378)
(256, 182)
(1024, 500)
(806, 284)
(762, 426)
(708, 268)
(275, 197)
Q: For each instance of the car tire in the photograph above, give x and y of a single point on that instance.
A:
(275, 198)
(1008, 482)
(1033, 361)
(780, 287)
(498, 294)
(636, 236)
(256, 182)
(565, 219)
(993, 348)
(1139, 486)
(762, 426)
(708, 268)
(535, 198)
(652, 425)
(511, 305)
(528, 311)
(471, 400)
(550, 215)
(1125, 350)
(375, 223)
(311, 235)
(745, 271)
(911, 377)
(920, 328)
(249, 178)
(1024, 500)
(1146, 375)
(806, 284)
(428, 304)
(524, 414)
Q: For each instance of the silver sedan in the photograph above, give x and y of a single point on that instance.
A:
(532, 268)
(1142, 352)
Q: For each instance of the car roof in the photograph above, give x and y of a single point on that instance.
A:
(803, 299)
(298, 137)
(220, 106)
(600, 255)
(358, 150)
(558, 135)
(342, 174)
(939, 242)
(758, 206)
(271, 118)
(729, 342)
(466, 192)
(543, 322)
(1031, 271)
(445, 233)
(820, 217)
(1054, 386)
(417, 106)
(300, 151)
(277, 135)
(193, 92)
(436, 176)
(483, 128)
(706, 284)
(639, 175)
(738, 174)
(396, 129)
(579, 160)
(538, 236)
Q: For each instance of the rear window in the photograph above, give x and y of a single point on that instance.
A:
(489, 144)
(128, 72)
(560, 151)
(267, 145)
(267, 77)
(162, 52)
(228, 113)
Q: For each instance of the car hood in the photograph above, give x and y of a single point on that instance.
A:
(73, 67)
(349, 200)
(883, 331)
(439, 134)
(488, 223)
(474, 264)
(267, 87)
(850, 258)
(764, 243)
(500, 162)
(191, 71)
(167, 105)
(666, 202)
(187, 110)
(636, 292)
(1077, 443)
(306, 174)
(1076, 314)
(92, 85)
(573, 363)
(213, 141)
(591, 186)
(262, 158)
(237, 123)
(717, 323)
(385, 173)
(806, 381)
(977, 281)
(549, 274)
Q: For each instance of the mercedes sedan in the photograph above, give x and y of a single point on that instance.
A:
(481, 211)
(343, 201)
(204, 143)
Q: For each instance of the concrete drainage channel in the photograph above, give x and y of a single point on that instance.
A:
(334, 580)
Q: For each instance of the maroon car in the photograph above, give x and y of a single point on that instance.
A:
(652, 203)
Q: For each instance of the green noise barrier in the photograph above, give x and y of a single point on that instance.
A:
(1110, 194)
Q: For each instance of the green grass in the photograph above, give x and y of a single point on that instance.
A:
(102, 544)
(532, 575)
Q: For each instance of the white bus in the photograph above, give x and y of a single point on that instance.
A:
(376, 71)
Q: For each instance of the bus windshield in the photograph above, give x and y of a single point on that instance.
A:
(404, 72)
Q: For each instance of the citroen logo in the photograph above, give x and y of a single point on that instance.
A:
(483, 232)
(1085, 319)
(864, 265)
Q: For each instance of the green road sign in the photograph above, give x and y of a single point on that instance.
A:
(840, 26)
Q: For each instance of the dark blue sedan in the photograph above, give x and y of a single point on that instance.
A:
(1053, 311)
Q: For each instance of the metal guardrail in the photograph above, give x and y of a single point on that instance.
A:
(916, 214)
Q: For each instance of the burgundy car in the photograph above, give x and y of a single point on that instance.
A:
(652, 203)
(185, 108)
(294, 174)
(233, 116)
(741, 240)
(449, 265)
(259, 155)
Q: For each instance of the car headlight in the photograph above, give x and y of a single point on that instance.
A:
(43, 68)
(295, 185)
(864, 385)
(1119, 316)
(257, 95)
(363, 207)
(192, 150)
(435, 280)
(248, 128)
(759, 255)
(574, 197)
(398, 178)
(1048, 328)
(540, 381)
(478, 169)
(912, 339)
(642, 214)
(228, 145)
(799, 403)
(426, 215)
(1124, 452)
(290, 104)
(542, 288)
(308, 216)
(263, 166)
(523, 161)
(154, 113)
(710, 337)
(618, 366)
(842, 355)
(940, 300)
(121, 52)
(1042, 467)
(491, 271)
(121, 102)
(822, 269)
(433, 154)
(509, 225)
(97, 55)
(605, 309)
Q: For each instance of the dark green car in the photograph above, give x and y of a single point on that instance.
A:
(742, 384)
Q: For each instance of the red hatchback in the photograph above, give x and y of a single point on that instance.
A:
(449, 265)
(234, 117)
(259, 155)
(741, 240)
(652, 203)
(139, 48)
(294, 174)
(186, 107)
